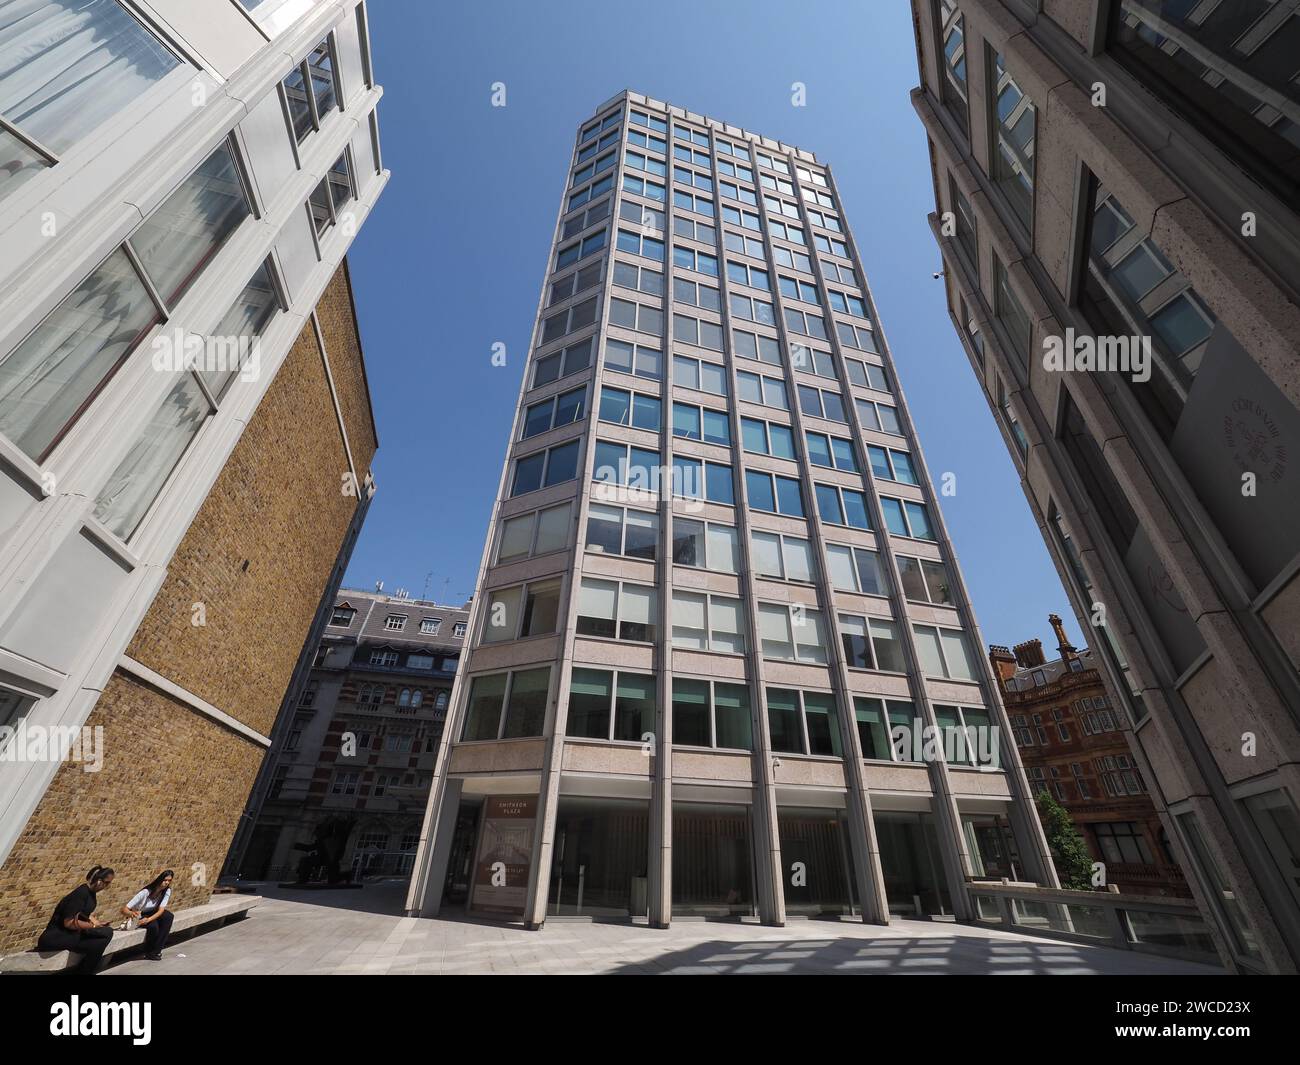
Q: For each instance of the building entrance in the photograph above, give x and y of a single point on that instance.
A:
(910, 862)
(816, 871)
(600, 858)
(460, 862)
(713, 866)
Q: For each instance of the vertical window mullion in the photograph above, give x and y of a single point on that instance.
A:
(943, 657)
(375, 151)
(309, 87)
(803, 712)
(713, 716)
(505, 704)
(28, 141)
(353, 188)
(613, 703)
(336, 70)
(329, 197)
(207, 393)
(285, 107)
(242, 175)
(159, 303)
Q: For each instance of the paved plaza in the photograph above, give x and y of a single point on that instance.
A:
(318, 932)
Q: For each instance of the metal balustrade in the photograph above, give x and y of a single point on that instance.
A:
(1171, 927)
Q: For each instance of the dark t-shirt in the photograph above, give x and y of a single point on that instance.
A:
(80, 902)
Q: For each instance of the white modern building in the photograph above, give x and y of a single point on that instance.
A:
(180, 181)
(719, 622)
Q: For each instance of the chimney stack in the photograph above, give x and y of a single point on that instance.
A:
(1030, 653)
(1003, 662)
(1063, 644)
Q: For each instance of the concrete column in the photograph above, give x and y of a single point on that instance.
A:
(434, 876)
(548, 797)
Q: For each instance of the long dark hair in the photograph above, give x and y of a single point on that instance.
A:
(98, 873)
(155, 885)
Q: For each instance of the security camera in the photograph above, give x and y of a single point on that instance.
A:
(937, 274)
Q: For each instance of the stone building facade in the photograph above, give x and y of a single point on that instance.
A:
(1116, 197)
(353, 756)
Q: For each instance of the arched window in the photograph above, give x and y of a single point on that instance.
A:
(440, 703)
(417, 697)
(404, 699)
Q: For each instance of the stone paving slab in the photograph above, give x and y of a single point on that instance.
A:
(301, 933)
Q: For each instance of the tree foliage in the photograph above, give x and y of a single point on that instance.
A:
(1069, 851)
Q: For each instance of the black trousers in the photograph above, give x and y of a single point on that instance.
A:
(90, 944)
(156, 933)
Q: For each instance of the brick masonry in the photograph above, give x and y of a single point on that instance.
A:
(257, 555)
(1070, 720)
(172, 784)
(337, 317)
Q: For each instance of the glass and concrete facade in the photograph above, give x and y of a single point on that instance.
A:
(1116, 193)
(719, 626)
(185, 423)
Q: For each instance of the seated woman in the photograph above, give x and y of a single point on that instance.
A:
(149, 907)
(73, 925)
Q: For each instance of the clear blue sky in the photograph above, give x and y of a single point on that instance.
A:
(454, 256)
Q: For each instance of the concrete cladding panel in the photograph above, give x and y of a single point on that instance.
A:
(50, 626)
(270, 156)
(351, 72)
(218, 34)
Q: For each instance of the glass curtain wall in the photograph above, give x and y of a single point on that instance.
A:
(815, 866)
(713, 867)
(992, 846)
(600, 863)
(912, 866)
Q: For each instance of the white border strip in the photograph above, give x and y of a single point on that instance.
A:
(138, 669)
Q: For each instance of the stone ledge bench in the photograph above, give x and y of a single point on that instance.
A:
(194, 919)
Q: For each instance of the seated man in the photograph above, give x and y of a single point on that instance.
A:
(73, 925)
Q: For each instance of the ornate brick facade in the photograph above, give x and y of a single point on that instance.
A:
(1074, 744)
(355, 753)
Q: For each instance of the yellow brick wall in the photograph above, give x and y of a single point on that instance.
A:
(171, 789)
(343, 347)
(174, 783)
(278, 505)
